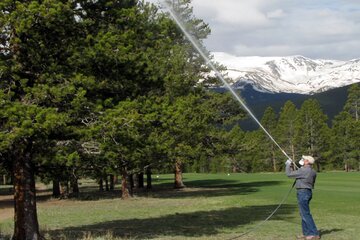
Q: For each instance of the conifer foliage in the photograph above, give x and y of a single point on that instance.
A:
(112, 88)
(68, 68)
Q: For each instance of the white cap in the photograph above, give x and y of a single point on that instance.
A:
(309, 158)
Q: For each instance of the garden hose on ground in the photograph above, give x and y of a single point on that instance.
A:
(264, 221)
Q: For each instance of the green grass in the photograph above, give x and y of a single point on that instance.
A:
(214, 206)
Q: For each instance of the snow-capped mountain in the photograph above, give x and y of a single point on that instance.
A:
(293, 74)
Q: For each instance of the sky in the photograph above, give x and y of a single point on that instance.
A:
(318, 29)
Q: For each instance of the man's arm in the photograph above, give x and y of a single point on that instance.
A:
(294, 174)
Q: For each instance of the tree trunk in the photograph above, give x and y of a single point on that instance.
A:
(26, 224)
(107, 183)
(4, 179)
(234, 165)
(75, 185)
(135, 178)
(293, 152)
(274, 164)
(141, 180)
(178, 175)
(318, 166)
(56, 188)
(125, 185)
(64, 189)
(116, 180)
(101, 185)
(112, 182)
(273, 158)
(131, 181)
(148, 178)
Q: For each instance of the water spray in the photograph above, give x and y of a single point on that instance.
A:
(217, 73)
(237, 97)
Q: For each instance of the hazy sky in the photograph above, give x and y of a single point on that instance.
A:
(327, 29)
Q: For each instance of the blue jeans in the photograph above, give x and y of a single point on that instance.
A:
(307, 222)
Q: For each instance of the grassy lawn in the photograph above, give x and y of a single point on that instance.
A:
(213, 206)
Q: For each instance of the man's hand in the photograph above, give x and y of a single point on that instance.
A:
(288, 162)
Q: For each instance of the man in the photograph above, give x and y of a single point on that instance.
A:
(305, 180)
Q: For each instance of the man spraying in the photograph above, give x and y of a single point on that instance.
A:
(305, 181)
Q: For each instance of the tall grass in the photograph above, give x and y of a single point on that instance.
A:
(213, 206)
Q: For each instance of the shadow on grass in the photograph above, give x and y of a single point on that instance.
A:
(197, 188)
(215, 183)
(96, 195)
(196, 224)
(207, 188)
(329, 231)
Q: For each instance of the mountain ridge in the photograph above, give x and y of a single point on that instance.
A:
(292, 74)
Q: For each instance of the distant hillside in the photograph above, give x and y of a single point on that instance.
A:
(332, 102)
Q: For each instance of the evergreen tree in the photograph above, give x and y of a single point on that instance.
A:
(64, 63)
(312, 132)
(194, 64)
(219, 151)
(233, 150)
(253, 154)
(286, 129)
(37, 83)
(346, 132)
(121, 132)
(344, 151)
(269, 121)
(353, 107)
(353, 101)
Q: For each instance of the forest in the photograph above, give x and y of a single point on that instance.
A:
(112, 89)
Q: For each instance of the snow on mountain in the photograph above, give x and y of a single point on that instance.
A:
(293, 74)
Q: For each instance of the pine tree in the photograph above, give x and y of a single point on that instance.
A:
(286, 128)
(37, 84)
(220, 139)
(353, 107)
(312, 132)
(64, 63)
(121, 131)
(353, 101)
(346, 132)
(343, 144)
(195, 67)
(269, 121)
